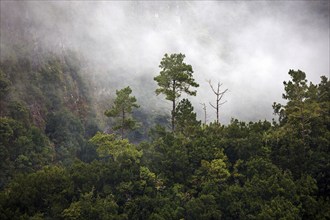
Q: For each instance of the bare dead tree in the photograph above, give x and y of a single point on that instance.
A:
(219, 94)
(204, 109)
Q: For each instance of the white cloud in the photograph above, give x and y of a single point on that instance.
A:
(248, 46)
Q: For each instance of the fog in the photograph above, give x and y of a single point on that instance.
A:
(247, 46)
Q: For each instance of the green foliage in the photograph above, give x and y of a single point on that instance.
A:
(279, 208)
(175, 78)
(43, 93)
(89, 207)
(23, 149)
(109, 146)
(216, 170)
(243, 170)
(265, 186)
(19, 112)
(185, 118)
(245, 140)
(66, 131)
(170, 158)
(46, 191)
(203, 207)
(4, 85)
(302, 142)
(122, 108)
(212, 175)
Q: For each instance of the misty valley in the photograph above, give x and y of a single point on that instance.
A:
(91, 130)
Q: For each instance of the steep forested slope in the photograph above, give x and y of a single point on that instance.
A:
(45, 113)
(55, 165)
(56, 162)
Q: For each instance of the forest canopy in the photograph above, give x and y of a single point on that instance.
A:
(56, 163)
(101, 110)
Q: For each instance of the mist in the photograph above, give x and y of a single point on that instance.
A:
(247, 46)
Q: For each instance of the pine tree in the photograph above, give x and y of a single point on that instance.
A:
(122, 109)
(175, 78)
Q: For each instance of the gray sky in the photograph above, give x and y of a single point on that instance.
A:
(249, 46)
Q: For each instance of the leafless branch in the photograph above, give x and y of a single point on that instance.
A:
(219, 94)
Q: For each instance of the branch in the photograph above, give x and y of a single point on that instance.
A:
(222, 103)
(218, 88)
(209, 81)
(212, 105)
(221, 94)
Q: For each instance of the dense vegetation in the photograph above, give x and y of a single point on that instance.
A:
(57, 164)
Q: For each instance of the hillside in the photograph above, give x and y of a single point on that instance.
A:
(85, 133)
(56, 164)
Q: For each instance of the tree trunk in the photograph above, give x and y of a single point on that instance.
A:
(173, 107)
(173, 116)
(218, 109)
(122, 125)
(219, 96)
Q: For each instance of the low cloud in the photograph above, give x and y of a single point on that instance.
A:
(247, 46)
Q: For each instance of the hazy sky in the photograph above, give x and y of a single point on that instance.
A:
(249, 46)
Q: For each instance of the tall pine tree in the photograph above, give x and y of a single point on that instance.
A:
(175, 78)
(122, 109)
